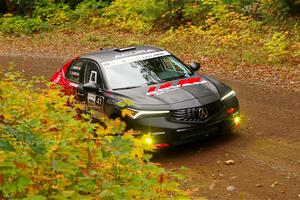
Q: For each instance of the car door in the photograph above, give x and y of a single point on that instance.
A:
(95, 98)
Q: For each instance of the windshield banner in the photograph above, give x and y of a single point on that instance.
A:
(135, 58)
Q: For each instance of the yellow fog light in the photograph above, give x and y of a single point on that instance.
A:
(148, 139)
(237, 120)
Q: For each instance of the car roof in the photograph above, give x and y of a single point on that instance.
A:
(105, 55)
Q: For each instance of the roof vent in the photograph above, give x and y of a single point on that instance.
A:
(125, 49)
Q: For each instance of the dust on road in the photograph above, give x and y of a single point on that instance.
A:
(265, 149)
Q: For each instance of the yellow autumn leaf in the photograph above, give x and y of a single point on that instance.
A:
(81, 164)
(126, 112)
(33, 189)
(7, 116)
(132, 132)
(54, 147)
(134, 192)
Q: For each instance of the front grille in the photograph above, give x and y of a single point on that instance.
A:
(192, 114)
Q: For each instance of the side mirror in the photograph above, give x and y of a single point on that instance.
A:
(91, 87)
(195, 66)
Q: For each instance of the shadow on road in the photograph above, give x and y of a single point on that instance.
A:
(202, 145)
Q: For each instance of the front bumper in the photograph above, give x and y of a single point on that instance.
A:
(186, 135)
(162, 130)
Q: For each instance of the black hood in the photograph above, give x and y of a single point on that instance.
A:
(192, 95)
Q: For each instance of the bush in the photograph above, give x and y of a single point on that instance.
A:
(134, 15)
(276, 46)
(54, 14)
(49, 151)
(89, 9)
(44, 16)
(237, 38)
(47, 14)
(18, 24)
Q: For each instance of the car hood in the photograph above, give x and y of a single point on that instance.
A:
(172, 95)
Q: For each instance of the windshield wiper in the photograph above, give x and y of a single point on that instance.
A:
(152, 82)
(125, 88)
(173, 78)
(182, 76)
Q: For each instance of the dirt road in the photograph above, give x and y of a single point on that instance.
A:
(265, 149)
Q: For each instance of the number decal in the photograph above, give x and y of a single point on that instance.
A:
(94, 99)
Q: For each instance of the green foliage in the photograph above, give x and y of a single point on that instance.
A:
(134, 15)
(89, 9)
(276, 46)
(44, 16)
(54, 14)
(49, 151)
(17, 24)
(142, 16)
(239, 39)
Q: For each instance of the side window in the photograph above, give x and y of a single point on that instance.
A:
(73, 73)
(168, 64)
(92, 73)
(172, 64)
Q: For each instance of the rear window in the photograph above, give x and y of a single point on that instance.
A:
(73, 73)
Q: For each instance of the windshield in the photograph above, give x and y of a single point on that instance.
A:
(149, 71)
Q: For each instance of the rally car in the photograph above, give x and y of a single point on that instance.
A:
(171, 103)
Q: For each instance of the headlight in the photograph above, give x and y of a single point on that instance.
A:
(228, 95)
(137, 113)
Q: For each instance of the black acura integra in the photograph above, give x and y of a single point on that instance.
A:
(171, 103)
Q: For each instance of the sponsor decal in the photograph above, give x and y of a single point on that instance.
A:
(189, 81)
(74, 67)
(133, 53)
(57, 79)
(169, 86)
(158, 133)
(165, 85)
(111, 101)
(73, 85)
(135, 58)
(91, 98)
(151, 90)
(73, 73)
